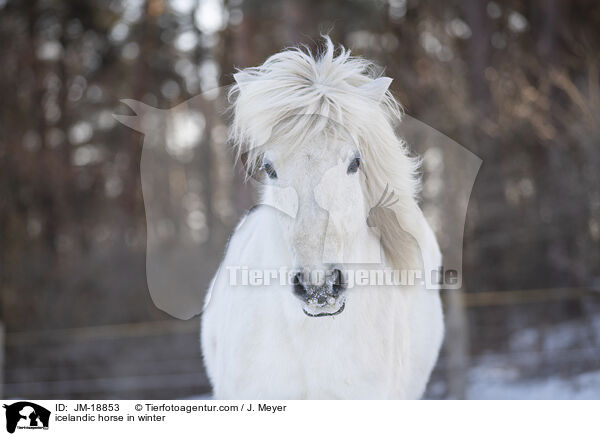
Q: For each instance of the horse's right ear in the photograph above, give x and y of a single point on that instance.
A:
(134, 121)
(241, 79)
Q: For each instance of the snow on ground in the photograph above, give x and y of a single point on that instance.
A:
(560, 361)
(584, 386)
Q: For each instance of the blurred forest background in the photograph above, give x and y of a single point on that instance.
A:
(516, 82)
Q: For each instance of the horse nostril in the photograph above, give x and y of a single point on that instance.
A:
(299, 288)
(338, 282)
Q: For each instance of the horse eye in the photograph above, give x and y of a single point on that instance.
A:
(270, 170)
(353, 167)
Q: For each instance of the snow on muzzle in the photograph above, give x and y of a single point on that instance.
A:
(321, 292)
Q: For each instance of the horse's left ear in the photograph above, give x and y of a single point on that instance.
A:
(241, 78)
(377, 88)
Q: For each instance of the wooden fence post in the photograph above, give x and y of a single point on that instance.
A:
(1, 359)
(457, 344)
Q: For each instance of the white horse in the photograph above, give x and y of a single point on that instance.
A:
(319, 131)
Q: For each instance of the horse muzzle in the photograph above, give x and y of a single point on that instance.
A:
(322, 297)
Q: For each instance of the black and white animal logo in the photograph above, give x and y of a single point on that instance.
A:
(26, 415)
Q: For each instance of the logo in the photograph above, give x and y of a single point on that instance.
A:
(26, 415)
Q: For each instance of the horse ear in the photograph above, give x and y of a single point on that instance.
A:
(241, 78)
(377, 88)
(134, 121)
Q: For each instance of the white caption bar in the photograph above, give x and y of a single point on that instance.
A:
(23, 417)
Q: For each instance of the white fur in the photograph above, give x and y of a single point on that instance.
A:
(308, 116)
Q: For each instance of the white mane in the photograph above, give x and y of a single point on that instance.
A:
(346, 90)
